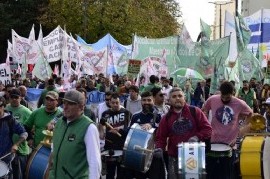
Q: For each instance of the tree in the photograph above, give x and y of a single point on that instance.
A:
(19, 15)
(92, 19)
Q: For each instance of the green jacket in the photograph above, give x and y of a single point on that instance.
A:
(69, 150)
(149, 87)
(248, 98)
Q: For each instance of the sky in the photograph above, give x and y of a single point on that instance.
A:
(193, 10)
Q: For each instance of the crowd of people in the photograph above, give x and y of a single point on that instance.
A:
(80, 135)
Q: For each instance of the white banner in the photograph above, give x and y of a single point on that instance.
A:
(53, 44)
(5, 76)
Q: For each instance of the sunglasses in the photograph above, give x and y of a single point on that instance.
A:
(107, 99)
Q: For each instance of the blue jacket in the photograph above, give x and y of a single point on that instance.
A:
(8, 127)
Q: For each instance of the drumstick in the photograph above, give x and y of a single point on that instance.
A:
(104, 123)
(137, 147)
(5, 155)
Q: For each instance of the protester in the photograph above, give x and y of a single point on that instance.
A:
(247, 94)
(226, 110)
(49, 87)
(23, 91)
(148, 118)
(8, 127)
(78, 156)
(105, 105)
(183, 123)
(153, 83)
(133, 102)
(21, 114)
(159, 100)
(39, 118)
(117, 117)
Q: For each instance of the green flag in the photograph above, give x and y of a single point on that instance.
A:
(42, 69)
(246, 33)
(218, 58)
(243, 33)
(249, 66)
(205, 30)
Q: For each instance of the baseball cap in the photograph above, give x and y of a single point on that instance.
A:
(52, 94)
(74, 96)
(15, 92)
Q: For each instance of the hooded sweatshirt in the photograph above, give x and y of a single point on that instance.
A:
(133, 106)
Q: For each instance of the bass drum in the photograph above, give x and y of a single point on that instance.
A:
(138, 148)
(255, 157)
(37, 167)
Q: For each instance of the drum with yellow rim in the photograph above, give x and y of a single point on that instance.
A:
(255, 157)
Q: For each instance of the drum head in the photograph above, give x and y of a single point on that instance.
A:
(266, 158)
(3, 169)
(117, 153)
(220, 147)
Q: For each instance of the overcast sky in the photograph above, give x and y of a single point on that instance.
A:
(193, 10)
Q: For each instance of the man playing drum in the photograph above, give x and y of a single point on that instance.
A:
(226, 110)
(148, 118)
(183, 123)
(8, 127)
(21, 114)
(116, 117)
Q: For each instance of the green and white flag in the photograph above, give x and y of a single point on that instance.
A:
(249, 66)
(42, 69)
(218, 58)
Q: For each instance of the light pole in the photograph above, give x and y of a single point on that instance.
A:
(220, 3)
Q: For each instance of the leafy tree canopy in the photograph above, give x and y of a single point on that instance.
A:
(92, 19)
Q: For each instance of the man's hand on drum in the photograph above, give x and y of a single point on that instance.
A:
(146, 126)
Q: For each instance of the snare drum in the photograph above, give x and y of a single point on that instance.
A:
(255, 157)
(220, 150)
(37, 166)
(4, 170)
(138, 148)
(191, 159)
(105, 157)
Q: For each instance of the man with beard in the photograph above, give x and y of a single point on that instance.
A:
(148, 118)
(183, 123)
(226, 110)
(117, 117)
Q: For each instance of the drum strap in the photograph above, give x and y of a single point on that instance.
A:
(192, 111)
